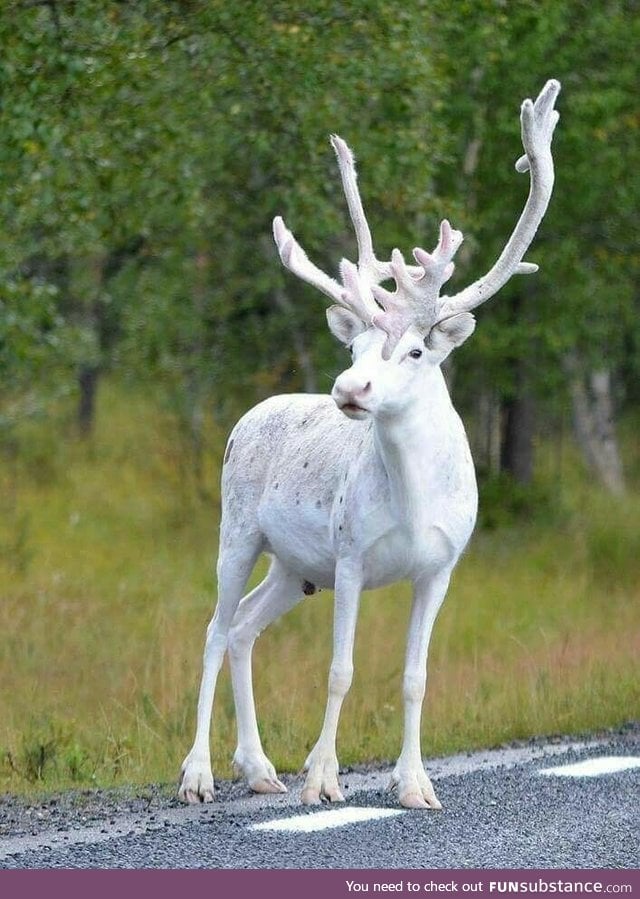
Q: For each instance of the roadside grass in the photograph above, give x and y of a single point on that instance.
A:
(107, 552)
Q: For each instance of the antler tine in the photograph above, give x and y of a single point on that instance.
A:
(438, 266)
(296, 260)
(355, 293)
(538, 121)
(368, 266)
(416, 298)
(351, 294)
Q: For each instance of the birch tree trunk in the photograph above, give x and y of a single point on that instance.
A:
(594, 422)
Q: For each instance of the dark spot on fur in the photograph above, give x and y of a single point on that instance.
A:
(339, 527)
(227, 455)
(318, 504)
(306, 465)
(308, 588)
(341, 498)
(275, 486)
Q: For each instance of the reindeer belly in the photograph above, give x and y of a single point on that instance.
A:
(299, 536)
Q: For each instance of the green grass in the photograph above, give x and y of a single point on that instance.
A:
(107, 554)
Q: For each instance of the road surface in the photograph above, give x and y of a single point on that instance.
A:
(526, 807)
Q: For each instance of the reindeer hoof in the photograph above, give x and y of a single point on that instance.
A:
(258, 771)
(196, 784)
(414, 789)
(267, 785)
(310, 796)
(322, 779)
(417, 800)
(314, 796)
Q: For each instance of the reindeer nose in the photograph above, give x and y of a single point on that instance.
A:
(350, 391)
(364, 390)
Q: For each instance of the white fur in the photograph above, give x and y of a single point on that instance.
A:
(355, 502)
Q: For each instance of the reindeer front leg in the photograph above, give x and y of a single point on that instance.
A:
(409, 776)
(322, 762)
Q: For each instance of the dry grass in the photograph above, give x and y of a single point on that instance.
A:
(106, 560)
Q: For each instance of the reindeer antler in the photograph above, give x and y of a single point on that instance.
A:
(369, 267)
(355, 292)
(416, 300)
(538, 121)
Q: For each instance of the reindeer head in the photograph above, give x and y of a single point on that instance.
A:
(397, 334)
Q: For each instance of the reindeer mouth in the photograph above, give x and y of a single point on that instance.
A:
(352, 410)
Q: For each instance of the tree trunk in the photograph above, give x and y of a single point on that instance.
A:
(594, 424)
(88, 376)
(489, 436)
(103, 320)
(516, 456)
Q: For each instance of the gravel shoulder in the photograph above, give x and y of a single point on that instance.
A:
(125, 810)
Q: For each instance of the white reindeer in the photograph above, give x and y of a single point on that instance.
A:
(372, 485)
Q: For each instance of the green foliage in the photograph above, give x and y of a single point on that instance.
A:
(585, 294)
(504, 503)
(146, 147)
(614, 552)
(181, 130)
(48, 752)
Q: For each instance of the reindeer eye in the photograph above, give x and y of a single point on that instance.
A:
(415, 354)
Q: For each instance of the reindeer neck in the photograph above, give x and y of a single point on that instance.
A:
(418, 447)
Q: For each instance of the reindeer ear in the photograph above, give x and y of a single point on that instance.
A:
(344, 325)
(450, 333)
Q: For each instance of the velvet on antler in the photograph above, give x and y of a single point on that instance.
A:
(416, 300)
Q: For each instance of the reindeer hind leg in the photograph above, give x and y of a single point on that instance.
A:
(279, 592)
(235, 564)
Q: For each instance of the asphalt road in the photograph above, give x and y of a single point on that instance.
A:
(500, 811)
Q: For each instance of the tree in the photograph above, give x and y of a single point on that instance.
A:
(584, 247)
(145, 149)
(148, 147)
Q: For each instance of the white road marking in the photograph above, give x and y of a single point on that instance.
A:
(595, 767)
(324, 820)
(375, 781)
